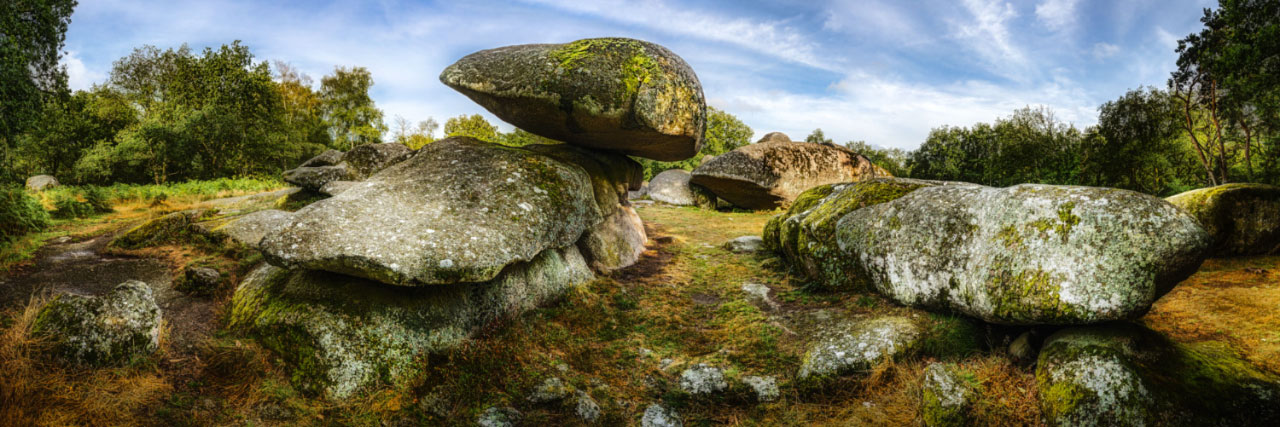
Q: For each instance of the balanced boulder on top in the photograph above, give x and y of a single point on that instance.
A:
(774, 170)
(618, 94)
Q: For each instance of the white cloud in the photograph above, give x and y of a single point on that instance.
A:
(1057, 15)
(771, 38)
(1104, 50)
(988, 36)
(80, 77)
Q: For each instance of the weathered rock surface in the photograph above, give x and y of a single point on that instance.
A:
(368, 159)
(1242, 219)
(199, 281)
(334, 188)
(745, 244)
(946, 396)
(354, 165)
(551, 390)
(702, 379)
(859, 345)
(114, 329)
(616, 94)
(586, 408)
(315, 177)
(41, 182)
(1125, 374)
(505, 416)
(343, 334)
(765, 388)
(1027, 254)
(657, 415)
(770, 173)
(805, 233)
(327, 158)
(163, 229)
(249, 229)
(615, 243)
(672, 187)
(460, 210)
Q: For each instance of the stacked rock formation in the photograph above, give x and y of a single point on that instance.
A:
(774, 170)
(334, 166)
(433, 244)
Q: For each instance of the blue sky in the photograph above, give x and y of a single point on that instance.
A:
(881, 71)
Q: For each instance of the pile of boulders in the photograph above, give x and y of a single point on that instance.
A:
(1029, 256)
(430, 245)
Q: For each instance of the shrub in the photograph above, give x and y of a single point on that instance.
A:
(19, 213)
(68, 205)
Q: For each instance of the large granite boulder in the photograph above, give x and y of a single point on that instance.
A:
(460, 210)
(315, 177)
(1242, 219)
(1027, 254)
(354, 165)
(327, 158)
(343, 335)
(115, 329)
(368, 159)
(249, 229)
(616, 242)
(771, 172)
(672, 187)
(1125, 374)
(41, 182)
(625, 95)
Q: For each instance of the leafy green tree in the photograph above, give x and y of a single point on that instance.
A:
(351, 114)
(1136, 145)
(71, 126)
(304, 126)
(474, 126)
(520, 138)
(893, 160)
(416, 136)
(724, 133)
(1030, 145)
(31, 37)
(817, 137)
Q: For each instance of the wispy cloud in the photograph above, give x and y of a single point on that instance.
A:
(1104, 50)
(988, 35)
(1057, 15)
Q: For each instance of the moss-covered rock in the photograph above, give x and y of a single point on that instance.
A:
(859, 345)
(805, 233)
(249, 229)
(946, 395)
(616, 94)
(771, 173)
(164, 229)
(342, 335)
(1242, 219)
(1028, 254)
(460, 210)
(1125, 374)
(114, 329)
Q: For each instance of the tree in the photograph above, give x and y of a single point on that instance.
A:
(31, 37)
(1030, 145)
(415, 137)
(893, 160)
(352, 117)
(71, 126)
(519, 138)
(304, 125)
(1135, 145)
(474, 126)
(817, 137)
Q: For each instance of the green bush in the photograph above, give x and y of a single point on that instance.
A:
(67, 205)
(19, 213)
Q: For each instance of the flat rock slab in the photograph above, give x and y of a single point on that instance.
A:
(460, 210)
(618, 94)
(770, 173)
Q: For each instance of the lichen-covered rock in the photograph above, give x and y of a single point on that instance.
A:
(1023, 255)
(551, 390)
(249, 229)
(327, 158)
(460, 210)
(315, 177)
(744, 244)
(805, 233)
(201, 281)
(165, 229)
(334, 188)
(615, 94)
(672, 187)
(1125, 374)
(615, 243)
(499, 417)
(702, 379)
(586, 408)
(342, 334)
(658, 415)
(41, 182)
(114, 329)
(770, 173)
(368, 159)
(765, 388)
(859, 345)
(946, 396)
(1242, 219)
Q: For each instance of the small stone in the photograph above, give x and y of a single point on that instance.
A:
(41, 182)
(1021, 349)
(199, 281)
(587, 409)
(946, 396)
(760, 292)
(657, 415)
(860, 345)
(766, 388)
(701, 379)
(551, 390)
(499, 417)
(745, 244)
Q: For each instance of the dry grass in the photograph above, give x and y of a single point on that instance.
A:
(1234, 300)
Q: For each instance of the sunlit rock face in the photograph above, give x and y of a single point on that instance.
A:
(1242, 219)
(460, 210)
(1028, 254)
(672, 187)
(616, 94)
(774, 171)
